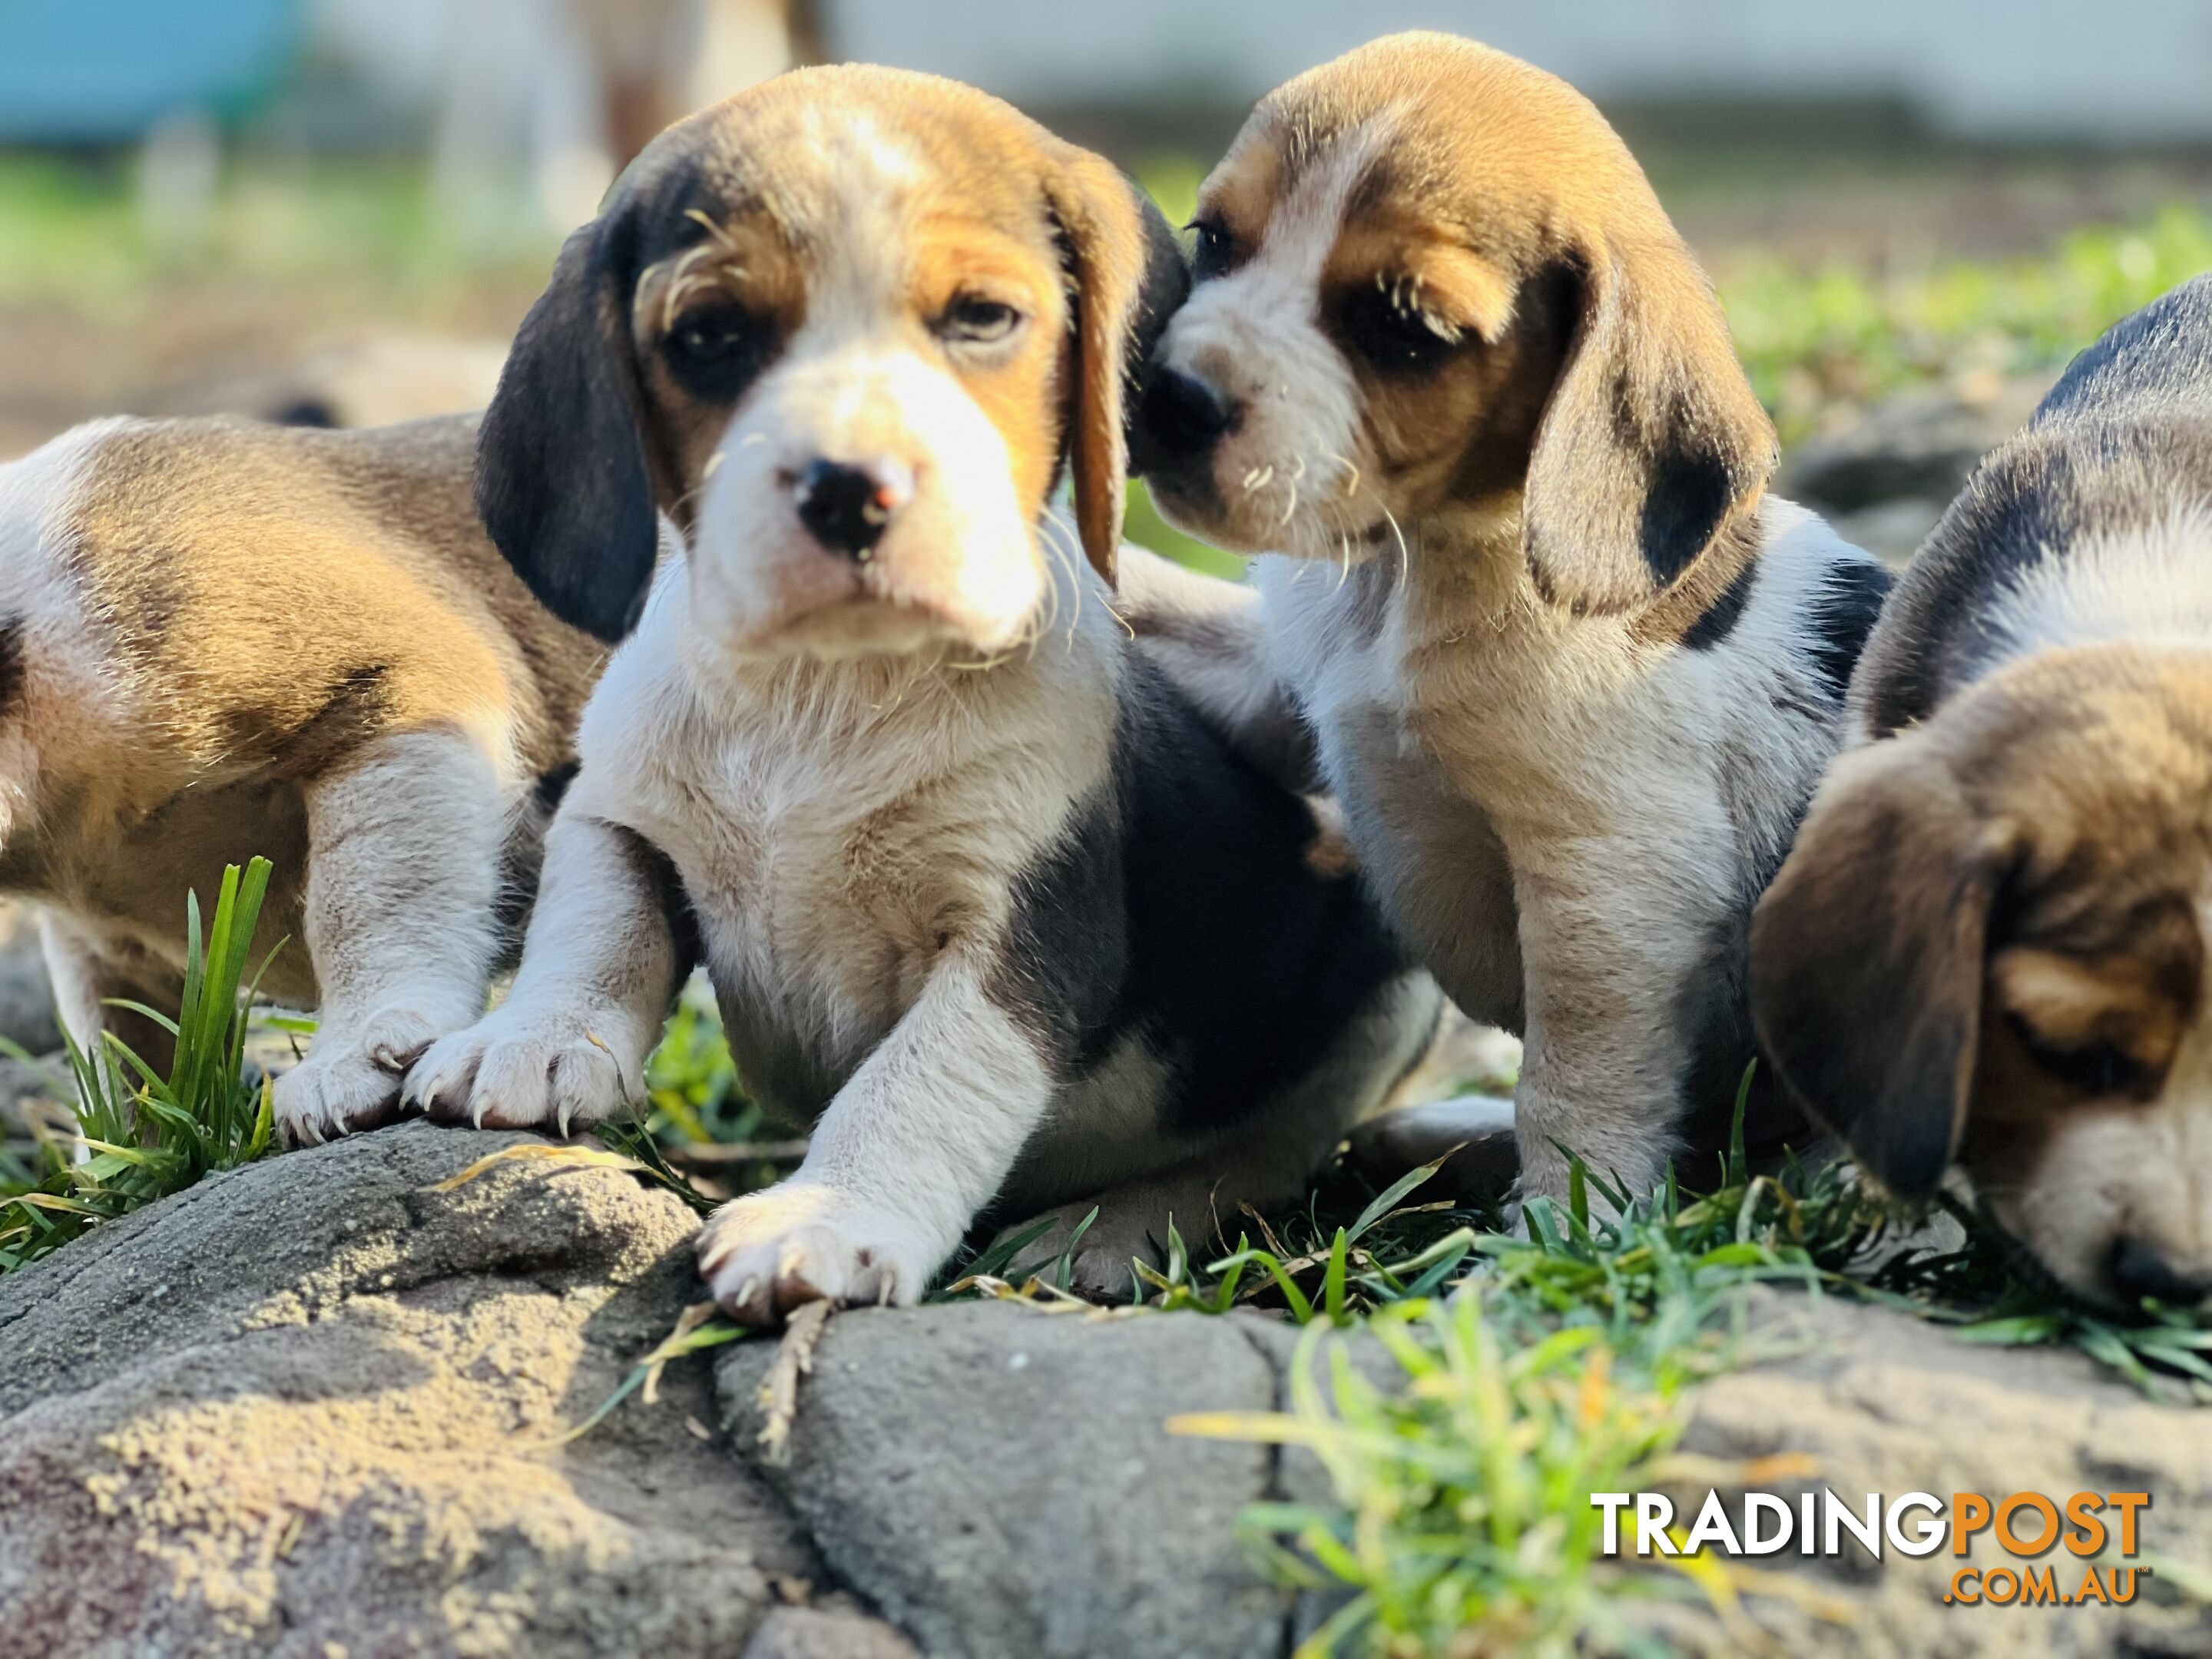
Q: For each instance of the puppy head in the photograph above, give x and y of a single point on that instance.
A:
(844, 332)
(1432, 283)
(1989, 942)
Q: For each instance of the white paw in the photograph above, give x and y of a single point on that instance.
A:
(350, 1078)
(765, 1253)
(515, 1069)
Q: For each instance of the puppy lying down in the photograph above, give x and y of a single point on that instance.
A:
(1991, 941)
(981, 895)
(219, 638)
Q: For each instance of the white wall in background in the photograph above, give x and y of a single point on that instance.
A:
(2115, 69)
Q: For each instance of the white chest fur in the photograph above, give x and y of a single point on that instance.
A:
(837, 824)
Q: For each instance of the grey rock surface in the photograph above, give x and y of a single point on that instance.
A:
(1885, 479)
(307, 1409)
(998, 1481)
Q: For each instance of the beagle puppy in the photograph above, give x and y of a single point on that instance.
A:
(1448, 368)
(220, 639)
(982, 898)
(1991, 941)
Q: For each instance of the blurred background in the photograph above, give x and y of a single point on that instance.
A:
(336, 210)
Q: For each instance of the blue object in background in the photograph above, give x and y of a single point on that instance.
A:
(103, 71)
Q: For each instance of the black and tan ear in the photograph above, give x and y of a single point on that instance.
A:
(1129, 274)
(563, 482)
(1652, 442)
(1867, 959)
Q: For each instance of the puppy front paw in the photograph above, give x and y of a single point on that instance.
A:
(765, 1253)
(350, 1078)
(517, 1069)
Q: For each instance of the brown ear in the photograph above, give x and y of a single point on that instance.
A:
(1867, 958)
(1652, 442)
(1128, 275)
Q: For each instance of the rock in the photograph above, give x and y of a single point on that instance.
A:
(306, 1408)
(26, 997)
(1885, 1402)
(1914, 451)
(997, 1482)
(309, 1408)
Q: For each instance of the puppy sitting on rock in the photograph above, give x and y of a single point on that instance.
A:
(980, 895)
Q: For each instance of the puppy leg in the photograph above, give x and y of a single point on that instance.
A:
(88, 972)
(600, 968)
(1262, 1162)
(403, 877)
(1603, 1051)
(913, 1144)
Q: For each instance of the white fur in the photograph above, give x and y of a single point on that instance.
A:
(2145, 583)
(1545, 813)
(1257, 330)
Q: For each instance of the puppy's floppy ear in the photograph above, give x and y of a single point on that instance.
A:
(1652, 441)
(563, 482)
(1867, 958)
(1128, 275)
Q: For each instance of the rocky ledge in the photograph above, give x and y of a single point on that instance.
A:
(315, 1407)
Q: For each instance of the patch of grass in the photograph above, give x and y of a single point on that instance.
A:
(146, 1135)
(1820, 340)
(1462, 1521)
(72, 233)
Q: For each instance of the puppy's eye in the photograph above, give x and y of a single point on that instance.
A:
(710, 337)
(1388, 324)
(1214, 250)
(2091, 1068)
(973, 320)
(715, 351)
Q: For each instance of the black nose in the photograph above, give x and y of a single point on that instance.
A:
(847, 508)
(1183, 415)
(2140, 1270)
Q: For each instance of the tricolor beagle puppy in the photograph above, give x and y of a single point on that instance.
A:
(1572, 673)
(220, 639)
(982, 896)
(1990, 942)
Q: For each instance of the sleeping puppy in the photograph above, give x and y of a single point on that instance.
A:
(1991, 941)
(1573, 675)
(220, 639)
(980, 895)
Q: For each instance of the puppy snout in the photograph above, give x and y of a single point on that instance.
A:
(846, 506)
(2140, 1269)
(1186, 415)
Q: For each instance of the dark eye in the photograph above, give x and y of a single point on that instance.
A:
(1214, 250)
(2092, 1068)
(973, 320)
(713, 352)
(1387, 324)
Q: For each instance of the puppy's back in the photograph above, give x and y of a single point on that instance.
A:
(2117, 454)
(265, 596)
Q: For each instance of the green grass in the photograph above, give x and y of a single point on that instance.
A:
(72, 233)
(1816, 341)
(147, 1134)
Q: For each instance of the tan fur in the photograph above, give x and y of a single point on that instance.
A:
(1563, 808)
(2007, 908)
(249, 616)
(961, 224)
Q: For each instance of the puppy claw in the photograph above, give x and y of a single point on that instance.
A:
(768, 1253)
